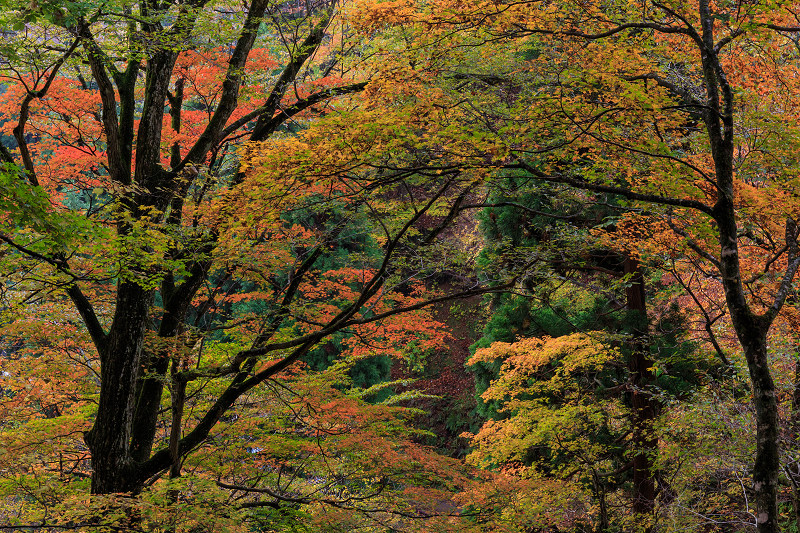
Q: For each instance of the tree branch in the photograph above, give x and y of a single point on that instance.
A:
(87, 312)
(230, 86)
(82, 304)
(24, 112)
(288, 112)
(793, 263)
(622, 191)
(97, 62)
(306, 50)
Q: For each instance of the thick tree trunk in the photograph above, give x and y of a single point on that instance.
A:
(150, 386)
(767, 460)
(110, 436)
(149, 391)
(643, 406)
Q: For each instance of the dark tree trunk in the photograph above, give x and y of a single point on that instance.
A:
(793, 468)
(150, 386)
(751, 329)
(794, 423)
(643, 406)
(767, 460)
(110, 436)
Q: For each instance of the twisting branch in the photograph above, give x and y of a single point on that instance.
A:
(692, 244)
(24, 113)
(230, 87)
(288, 112)
(709, 322)
(89, 316)
(793, 263)
(671, 87)
(82, 304)
(306, 50)
(98, 62)
(622, 191)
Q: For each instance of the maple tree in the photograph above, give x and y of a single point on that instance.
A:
(182, 303)
(181, 274)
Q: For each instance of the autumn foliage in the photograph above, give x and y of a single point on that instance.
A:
(232, 235)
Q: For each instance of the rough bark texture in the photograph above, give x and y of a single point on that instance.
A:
(750, 328)
(767, 460)
(712, 100)
(110, 436)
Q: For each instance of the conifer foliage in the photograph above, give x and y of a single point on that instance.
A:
(225, 226)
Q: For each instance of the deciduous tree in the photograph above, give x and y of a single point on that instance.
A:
(679, 107)
(139, 224)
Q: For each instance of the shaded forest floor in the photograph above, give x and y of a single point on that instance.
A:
(446, 377)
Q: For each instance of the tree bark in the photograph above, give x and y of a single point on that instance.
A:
(643, 406)
(767, 460)
(123, 434)
(110, 436)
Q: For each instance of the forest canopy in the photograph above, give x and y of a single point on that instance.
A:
(399, 265)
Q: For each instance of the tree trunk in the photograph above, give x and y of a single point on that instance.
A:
(751, 330)
(110, 436)
(793, 466)
(643, 406)
(767, 460)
